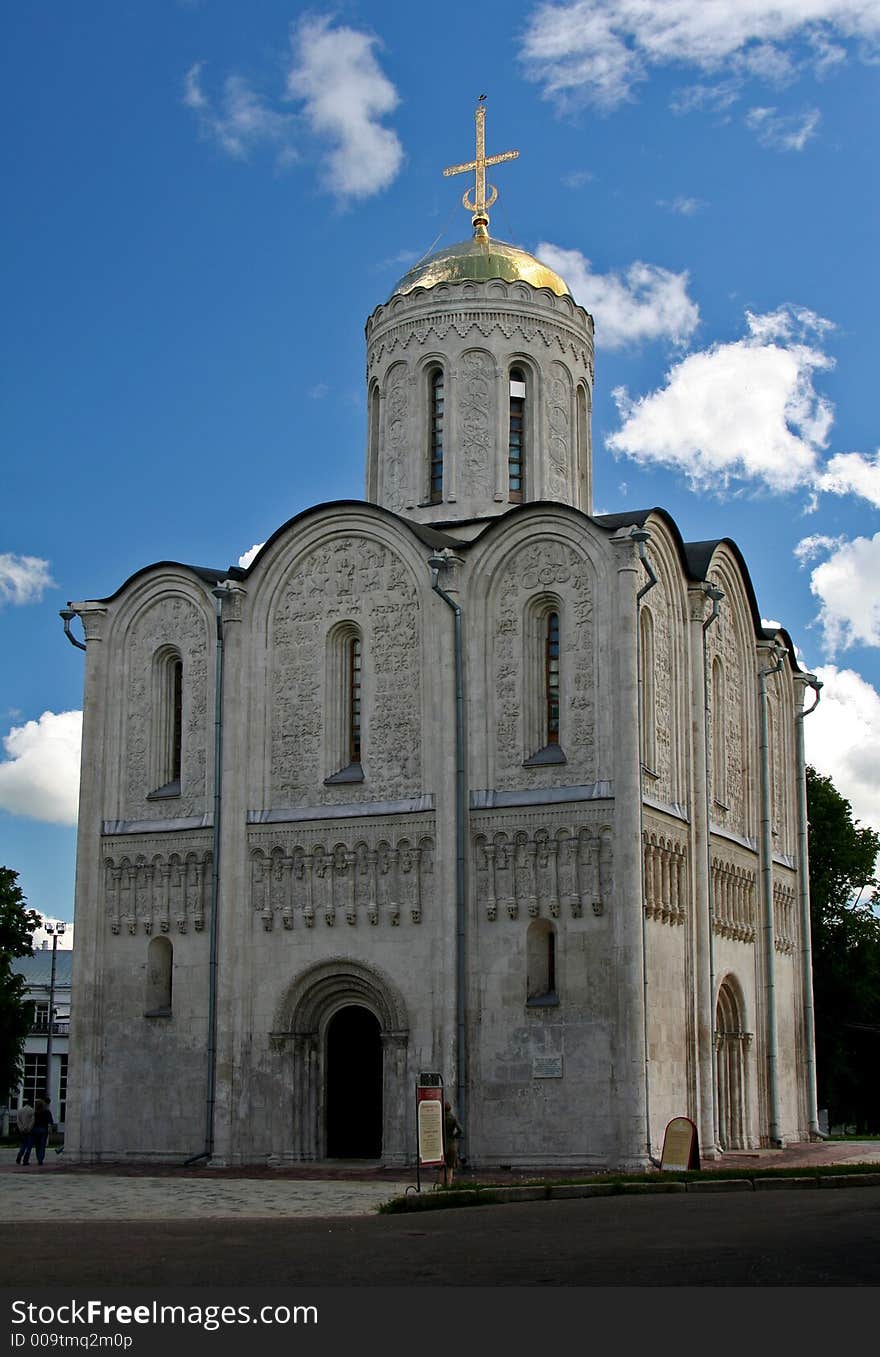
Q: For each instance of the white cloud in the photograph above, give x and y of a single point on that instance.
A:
(808, 548)
(40, 777)
(766, 62)
(40, 936)
(250, 555)
(683, 207)
(577, 178)
(848, 587)
(597, 51)
(23, 579)
(783, 132)
(842, 739)
(849, 473)
(769, 625)
(715, 98)
(746, 409)
(335, 72)
(242, 121)
(645, 302)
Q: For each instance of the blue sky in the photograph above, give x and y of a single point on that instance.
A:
(205, 201)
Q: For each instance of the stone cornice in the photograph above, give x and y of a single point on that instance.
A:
(401, 332)
(471, 296)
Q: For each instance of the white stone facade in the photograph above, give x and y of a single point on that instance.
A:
(614, 863)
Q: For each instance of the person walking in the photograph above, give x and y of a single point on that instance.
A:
(44, 1122)
(452, 1133)
(24, 1120)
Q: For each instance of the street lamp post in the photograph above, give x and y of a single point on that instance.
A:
(55, 932)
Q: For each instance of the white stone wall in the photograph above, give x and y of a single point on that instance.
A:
(165, 609)
(332, 894)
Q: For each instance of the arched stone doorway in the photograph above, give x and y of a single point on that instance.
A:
(353, 1063)
(732, 1045)
(341, 1034)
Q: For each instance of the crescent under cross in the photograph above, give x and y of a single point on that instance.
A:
(481, 203)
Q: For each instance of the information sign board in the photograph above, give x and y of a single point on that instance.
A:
(429, 1119)
(681, 1146)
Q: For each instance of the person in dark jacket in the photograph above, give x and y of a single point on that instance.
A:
(451, 1135)
(44, 1122)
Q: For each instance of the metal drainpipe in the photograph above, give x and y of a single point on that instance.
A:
(804, 892)
(715, 595)
(67, 615)
(220, 592)
(767, 893)
(640, 536)
(436, 563)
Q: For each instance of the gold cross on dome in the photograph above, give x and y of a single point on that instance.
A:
(481, 204)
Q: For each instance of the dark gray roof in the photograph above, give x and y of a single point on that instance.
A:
(696, 557)
(37, 970)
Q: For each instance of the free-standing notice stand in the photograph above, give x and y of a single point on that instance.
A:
(429, 1123)
(681, 1146)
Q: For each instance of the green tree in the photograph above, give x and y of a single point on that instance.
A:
(17, 924)
(846, 956)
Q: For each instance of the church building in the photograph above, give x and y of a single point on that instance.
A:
(457, 780)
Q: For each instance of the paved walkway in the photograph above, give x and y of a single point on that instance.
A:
(54, 1192)
(62, 1191)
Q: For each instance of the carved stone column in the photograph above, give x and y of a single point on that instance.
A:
(84, 1123)
(491, 898)
(372, 889)
(164, 896)
(700, 852)
(235, 977)
(395, 1097)
(308, 885)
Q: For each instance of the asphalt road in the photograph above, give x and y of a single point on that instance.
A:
(807, 1238)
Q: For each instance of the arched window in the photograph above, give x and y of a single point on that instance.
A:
(541, 963)
(516, 435)
(167, 743)
(551, 675)
(160, 959)
(373, 457)
(436, 403)
(354, 657)
(543, 680)
(647, 695)
(719, 732)
(344, 703)
(583, 444)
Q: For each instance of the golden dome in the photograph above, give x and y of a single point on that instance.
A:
(477, 261)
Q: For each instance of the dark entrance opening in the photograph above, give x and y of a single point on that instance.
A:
(354, 1085)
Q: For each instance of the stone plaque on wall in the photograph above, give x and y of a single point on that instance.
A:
(547, 1067)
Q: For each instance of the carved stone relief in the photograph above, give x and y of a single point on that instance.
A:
(733, 899)
(666, 878)
(545, 870)
(397, 492)
(476, 423)
(559, 437)
(661, 787)
(149, 889)
(169, 621)
(354, 577)
(336, 882)
(784, 918)
(531, 570)
(722, 640)
(463, 323)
